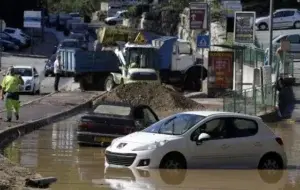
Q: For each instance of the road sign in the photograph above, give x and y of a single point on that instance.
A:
(32, 19)
(140, 39)
(203, 41)
(198, 16)
(244, 27)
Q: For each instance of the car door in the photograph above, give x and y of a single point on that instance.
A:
(243, 146)
(294, 44)
(278, 19)
(212, 153)
(288, 19)
(36, 79)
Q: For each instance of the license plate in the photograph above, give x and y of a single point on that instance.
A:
(103, 139)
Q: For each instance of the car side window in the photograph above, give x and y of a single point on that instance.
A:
(9, 31)
(278, 14)
(244, 128)
(288, 13)
(149, 117)
(216, 128)
(294, 39)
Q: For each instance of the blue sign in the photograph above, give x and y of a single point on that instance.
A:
(203, 41)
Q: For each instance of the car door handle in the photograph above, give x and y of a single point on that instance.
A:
(225, 146)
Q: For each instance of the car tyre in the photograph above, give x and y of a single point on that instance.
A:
(109, 83)
(33, 91)
(263, 26)
(271, 168)
(38, 92)
(112, 23)
(297, 25)
(173, 161)
(46, 74)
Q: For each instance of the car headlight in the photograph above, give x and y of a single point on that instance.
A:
(150, 146)
(28, 82)
(114, 141)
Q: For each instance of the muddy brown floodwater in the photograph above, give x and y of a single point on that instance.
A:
(53, 151)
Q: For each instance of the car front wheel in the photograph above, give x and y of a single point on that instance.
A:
(297, 25)
(173, 161)
(263, 26)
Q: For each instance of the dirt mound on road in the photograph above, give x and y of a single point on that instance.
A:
(155, 95)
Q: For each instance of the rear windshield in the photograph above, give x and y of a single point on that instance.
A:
(113, 110)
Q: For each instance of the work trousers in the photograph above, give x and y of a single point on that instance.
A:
(56, 81)
(11, 105)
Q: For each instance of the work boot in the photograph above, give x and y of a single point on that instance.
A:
(17, 116)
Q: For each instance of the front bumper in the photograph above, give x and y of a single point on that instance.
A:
(94, 138)
(26, 88)
(133, 159)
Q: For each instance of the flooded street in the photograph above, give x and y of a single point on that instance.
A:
(53, 151)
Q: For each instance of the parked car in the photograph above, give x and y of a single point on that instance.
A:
(32, 82)
(18, 34)
(49, 66)
(75, 16)
(8, 37)
(71, 43)
(80, 37)
(112, 120)
(117, 18)
(8, 45)
(200, 139)
(282, 18)
(293, 38)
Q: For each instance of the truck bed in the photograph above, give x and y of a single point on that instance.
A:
(77, 61)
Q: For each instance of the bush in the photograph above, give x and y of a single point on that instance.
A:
(138, 10)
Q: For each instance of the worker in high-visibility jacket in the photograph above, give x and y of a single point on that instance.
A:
(10, 93)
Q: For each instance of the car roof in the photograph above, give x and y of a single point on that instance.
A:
(286, 10)
(125, 104)
(219, 113)
(23, 67)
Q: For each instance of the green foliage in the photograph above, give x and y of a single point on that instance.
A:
(82, 6)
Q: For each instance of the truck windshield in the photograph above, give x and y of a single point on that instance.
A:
(140, 57)
(184, 48)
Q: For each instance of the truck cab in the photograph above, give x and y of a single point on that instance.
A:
(182, 55)
(138, 63)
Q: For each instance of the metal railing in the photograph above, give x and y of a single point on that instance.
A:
(252, 101)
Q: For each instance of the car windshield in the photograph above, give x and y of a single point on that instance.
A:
(113, 110)
(175, 125)
(24, 72)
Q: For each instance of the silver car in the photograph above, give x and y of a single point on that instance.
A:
(282, 18)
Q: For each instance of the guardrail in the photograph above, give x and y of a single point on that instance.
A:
(252, 101)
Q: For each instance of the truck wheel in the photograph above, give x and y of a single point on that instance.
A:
(109, 83)
(83, 85)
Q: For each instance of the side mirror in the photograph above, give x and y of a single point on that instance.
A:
(36, 75)
(202, 137)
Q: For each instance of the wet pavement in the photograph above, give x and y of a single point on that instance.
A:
(53, 151)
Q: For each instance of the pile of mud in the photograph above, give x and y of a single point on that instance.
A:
(155, 95)
(12, 177)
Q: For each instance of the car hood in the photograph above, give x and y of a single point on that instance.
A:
(139, 139)
(262, 19)
(25, 79)
(6, 42)
(111, 18)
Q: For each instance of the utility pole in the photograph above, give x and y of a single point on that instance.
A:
(271, 33)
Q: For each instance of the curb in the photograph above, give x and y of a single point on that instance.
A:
(24, 55)
(11, 134)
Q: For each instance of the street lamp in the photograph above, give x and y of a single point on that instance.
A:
(271, 33)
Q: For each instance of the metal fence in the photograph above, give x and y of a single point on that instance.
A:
(252, 101)
(260, 98)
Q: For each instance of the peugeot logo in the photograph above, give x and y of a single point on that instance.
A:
(121, 145)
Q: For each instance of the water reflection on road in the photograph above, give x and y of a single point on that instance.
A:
(53, 151)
